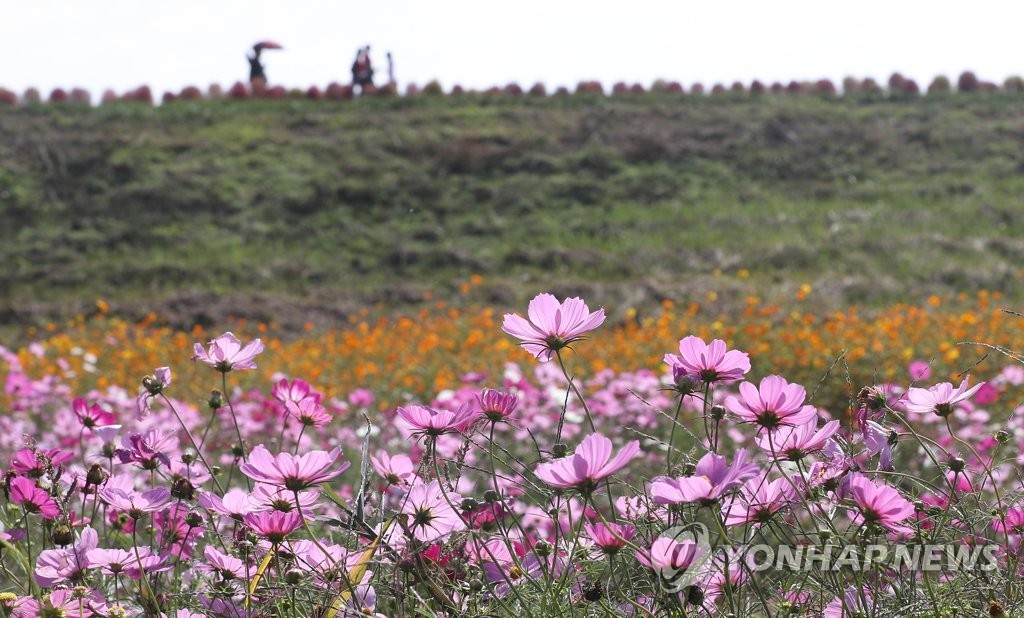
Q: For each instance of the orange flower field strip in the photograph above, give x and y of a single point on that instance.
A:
(419, 355)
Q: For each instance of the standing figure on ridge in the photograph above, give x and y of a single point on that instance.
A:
(362, 70)
(257, 76)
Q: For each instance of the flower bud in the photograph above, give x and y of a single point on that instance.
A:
(689, 469)
(293, 577)
(216, 400)
(1002, 436)
(684, 384)
(407, 565)
(957, 464)
(559, 450)
(188, 457)
(718, 412)
(238, 451)
(542, 548)
(490, 496)
(194, 520)
(476, 585)
(469, 504)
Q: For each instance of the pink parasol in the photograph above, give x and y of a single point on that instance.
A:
(268, 44)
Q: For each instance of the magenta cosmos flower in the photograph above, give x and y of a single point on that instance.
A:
(552, 325)
(294, 473)
(591, 462)
(496, 405)
(712, 478)
(92, 416)
(226, 353)
(939, 399)
(275, 526)
(772, 404)
(431, 422)
(880, 504)
(34, 500)
(610, 537)
(707, 363)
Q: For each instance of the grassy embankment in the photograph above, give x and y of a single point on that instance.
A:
(300, 211)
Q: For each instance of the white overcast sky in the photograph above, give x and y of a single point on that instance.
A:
(168, 44)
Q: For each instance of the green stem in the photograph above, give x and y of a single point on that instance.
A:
(579, 395)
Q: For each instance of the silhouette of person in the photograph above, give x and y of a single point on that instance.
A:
(391, 69)
(256, 72)
(362, 69)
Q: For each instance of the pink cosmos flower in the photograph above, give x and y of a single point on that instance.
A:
(117, 561)
(396, 469)
(56, 566)
(308, 412)
(1013, 522)
(91, 416)
(235, 503)
(610, 537)
(291, 472)
(880, 504)
(34, 500)
(759, 501)
(940, 399)
(34, 463)
(919, 370)
(591, 462)
(431, 516)
(226, 353)
(773, 404)
(712, 479)
(135, 504)
(275, 526)
(431, 422)
(225, 565)
(707, 363)
(363, 602)
(505, 572)
(148, 450)
(59, 603)
(361, 398)
(670, 556)
(852, 604)
(275, 498)
(295, 391)
(795, 443)
(552, 325)
(496, 405)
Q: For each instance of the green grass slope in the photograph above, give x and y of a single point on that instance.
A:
(298, 210)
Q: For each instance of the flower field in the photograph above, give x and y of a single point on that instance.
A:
(463, 461)
(421, 354)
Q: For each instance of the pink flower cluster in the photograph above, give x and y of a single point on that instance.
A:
(636, 494)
